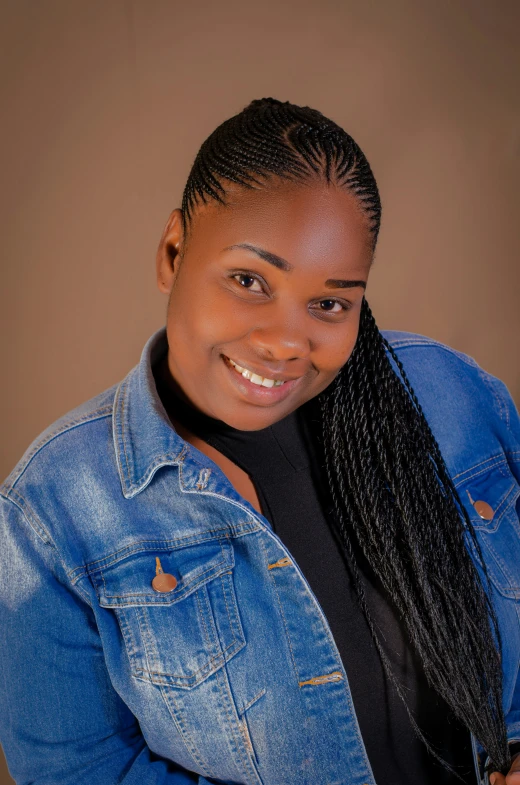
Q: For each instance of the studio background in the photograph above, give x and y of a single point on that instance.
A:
(106, 102)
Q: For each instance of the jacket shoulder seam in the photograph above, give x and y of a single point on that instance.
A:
(64, 427)
(425, 343)
(14, 498)
(18, 501)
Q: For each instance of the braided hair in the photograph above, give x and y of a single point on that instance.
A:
(389, 484)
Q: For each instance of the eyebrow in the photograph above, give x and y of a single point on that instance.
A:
(283, 264)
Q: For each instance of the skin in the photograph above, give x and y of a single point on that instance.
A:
(512, 778)
(280, 324)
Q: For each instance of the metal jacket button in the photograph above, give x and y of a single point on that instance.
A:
(163, 581)
(484, 509)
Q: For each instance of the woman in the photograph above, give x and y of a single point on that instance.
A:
(277, 497)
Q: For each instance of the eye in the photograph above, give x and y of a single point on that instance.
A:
(246, 281)
(333, 306)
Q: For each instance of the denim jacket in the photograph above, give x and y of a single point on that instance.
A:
(231, 676)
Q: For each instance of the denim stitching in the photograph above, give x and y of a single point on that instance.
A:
(119, 447)
(253, 701)
(34, 524)
(226, 499)
(235, 622)
(405, 343)
(123, 428)
(84, 595)
(183, 453)
(323, 625)
(224, 593)
(192, 681)
(501, 563)
(234, 531)
(97, 414)
(149, 640)
(282, 613)
(198, 675)
(128, 634)
(502, 507)
(202, 617)
(348, 693)
(32, 521)
(188, 589)
(223, 588)
(176, 715)
(159, 545)
(235, 610)
(160, 461)
(247, 738)
(225, 706)
(203, 479)
(487, 463)
(213, 664)
(222, 682)
(142, 637)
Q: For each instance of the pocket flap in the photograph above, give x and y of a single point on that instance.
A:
(492, 492)
(498, 529)
(128, 581)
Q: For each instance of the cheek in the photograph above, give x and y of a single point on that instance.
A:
(334, 353)
(201, 323)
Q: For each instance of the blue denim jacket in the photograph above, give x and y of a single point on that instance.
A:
(233, 675)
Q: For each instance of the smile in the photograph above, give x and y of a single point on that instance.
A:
(261, 381)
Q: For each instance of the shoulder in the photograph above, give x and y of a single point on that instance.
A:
(439, 373)
(76, 432)
(435, 366)
(417, 347)
(469, 410)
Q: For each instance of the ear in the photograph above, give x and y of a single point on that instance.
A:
(168, 252)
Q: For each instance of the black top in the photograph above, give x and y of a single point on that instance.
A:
(285, 465)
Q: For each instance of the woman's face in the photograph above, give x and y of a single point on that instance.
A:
(271, 283)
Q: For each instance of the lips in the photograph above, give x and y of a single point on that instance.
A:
(262, 373)
(258, 393)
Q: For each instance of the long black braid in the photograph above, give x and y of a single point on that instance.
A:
(389, 484)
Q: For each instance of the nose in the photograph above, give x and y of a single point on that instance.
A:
(283, 339)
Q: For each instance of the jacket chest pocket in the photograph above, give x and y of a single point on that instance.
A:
(182, 634)
(490, 498)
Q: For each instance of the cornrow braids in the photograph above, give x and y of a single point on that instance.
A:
(389, 485)
(274, 139)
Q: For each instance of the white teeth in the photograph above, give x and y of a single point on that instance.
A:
(255, 378)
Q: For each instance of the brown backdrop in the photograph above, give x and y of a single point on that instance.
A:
(106, 103)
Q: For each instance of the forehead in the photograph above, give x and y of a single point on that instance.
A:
(317, 223)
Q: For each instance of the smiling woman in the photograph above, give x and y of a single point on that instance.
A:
(285, 549)
(275, 305)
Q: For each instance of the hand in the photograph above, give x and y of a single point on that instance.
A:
(513, 776)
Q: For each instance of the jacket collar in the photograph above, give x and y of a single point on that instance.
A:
(144, 438)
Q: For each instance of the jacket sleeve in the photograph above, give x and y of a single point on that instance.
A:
(61, 721)
(511, 443)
